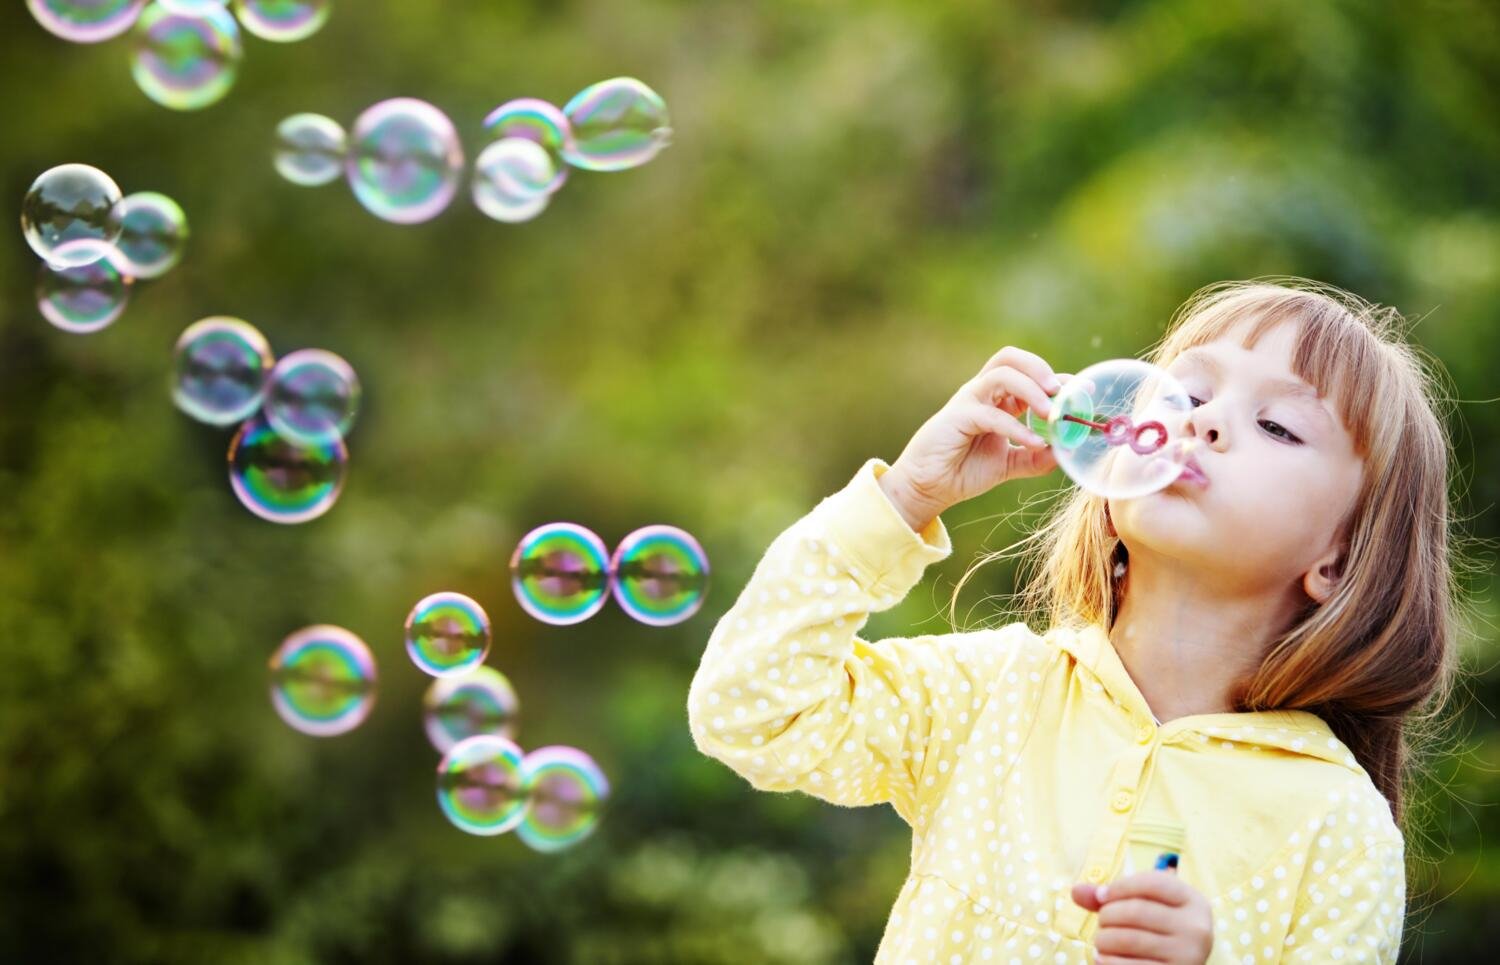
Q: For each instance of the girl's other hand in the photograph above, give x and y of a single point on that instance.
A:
(1152, 916)
(966, 448)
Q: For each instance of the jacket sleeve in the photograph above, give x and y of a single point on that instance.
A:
(1352, 911)
(790, 697)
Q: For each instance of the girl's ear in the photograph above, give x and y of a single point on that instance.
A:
(1322, 578)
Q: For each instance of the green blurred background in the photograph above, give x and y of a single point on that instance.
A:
(863, 201)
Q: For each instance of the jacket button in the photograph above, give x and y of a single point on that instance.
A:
(1121, 801)
(1144, 734)
(1095, 874)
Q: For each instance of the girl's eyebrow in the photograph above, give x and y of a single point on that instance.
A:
(1290, 387)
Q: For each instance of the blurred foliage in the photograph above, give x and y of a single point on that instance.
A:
(864, 200)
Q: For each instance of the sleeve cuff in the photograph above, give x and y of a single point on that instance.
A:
(886, 554)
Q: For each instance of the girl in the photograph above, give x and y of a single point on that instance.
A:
(1230, 660)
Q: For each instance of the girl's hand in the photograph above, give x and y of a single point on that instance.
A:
(965, 449)
(1152, 916)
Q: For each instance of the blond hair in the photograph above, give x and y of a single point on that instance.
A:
(1379, 655)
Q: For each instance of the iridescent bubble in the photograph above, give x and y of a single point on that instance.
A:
(84, 298)
(219, 376)
(284, 481)
(1116, 428)
(660, 575)
(566, 792)
(154, 231)
(312, 396)
(481, 701)
(447, 634)
(186, 62)
(538, 121)
(283, 21)
(479, 786)
(323, 680)
(510, 180)
(560, 573)
(404, 160)
(71, 215)
(310, 149)
(617, 124)
(86, 21)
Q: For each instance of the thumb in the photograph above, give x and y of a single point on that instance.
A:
(1086, 896)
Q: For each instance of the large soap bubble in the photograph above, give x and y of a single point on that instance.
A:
(447, 634)
(511, 179)
(281, 480)
(617, 124)
(310, 149)
(283, 21)
(560, 573)
(480, 787)
(323, 681)
(84, 298)
(481, 701)
(660, 575)
(566, 793)
(537, 121)
(220, 369)
(86, 21)
(312, 396)
(153, 233)
(404, 160)
(1116, 428)
(183, 61)
(71, 215)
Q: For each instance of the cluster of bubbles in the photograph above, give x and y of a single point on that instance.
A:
(185, 53)
(404, 161)
(562, 574)
(95, 243)
(1116, 428)
(288, 458)
(323, 682)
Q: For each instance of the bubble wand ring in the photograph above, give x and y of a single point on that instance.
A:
(1144, 439)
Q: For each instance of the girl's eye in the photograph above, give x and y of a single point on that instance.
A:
(1195, 401)
(1279, 430)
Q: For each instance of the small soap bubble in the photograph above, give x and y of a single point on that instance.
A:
(1116, 428)
(538, 121)
(283, 21)
(566, 792)
(86, 21)
(84, 298)
(312, 396)
(510, 178)
(153, 234)
(323, 681)
(617, 124)
(186, 62)
(660, 575)
(404, 160)
(560, 573)
(479, 785)
(220, 370)
(284, 481)
(72, 215)
(447, 634)
(481, 701)
(310, 149)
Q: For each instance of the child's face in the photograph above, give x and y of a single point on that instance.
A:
(1282, 471)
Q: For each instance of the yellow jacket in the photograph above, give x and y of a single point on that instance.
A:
(1024, 763)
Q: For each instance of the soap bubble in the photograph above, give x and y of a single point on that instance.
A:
(153, 233)
(617, 124)
(538, 121)
(560, 573)
(310, 149)
(284, 481)
(404, 160)
(481, 701)
(86, 21)
(447, 634)
(566, 792)
(1134, 445)
(312, 396)
(283, 21)
(84, 298)
(323, 681)
(660, 575)
(71, 215)
(510, 180)
(186, 62)
(479, 786)
(219, 376)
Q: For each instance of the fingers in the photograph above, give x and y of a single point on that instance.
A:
(1142, 913)
(1133, 943)
(997, 383)
(987, 418)
(1085, 897)
(1029, 362)
(1162, 886)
